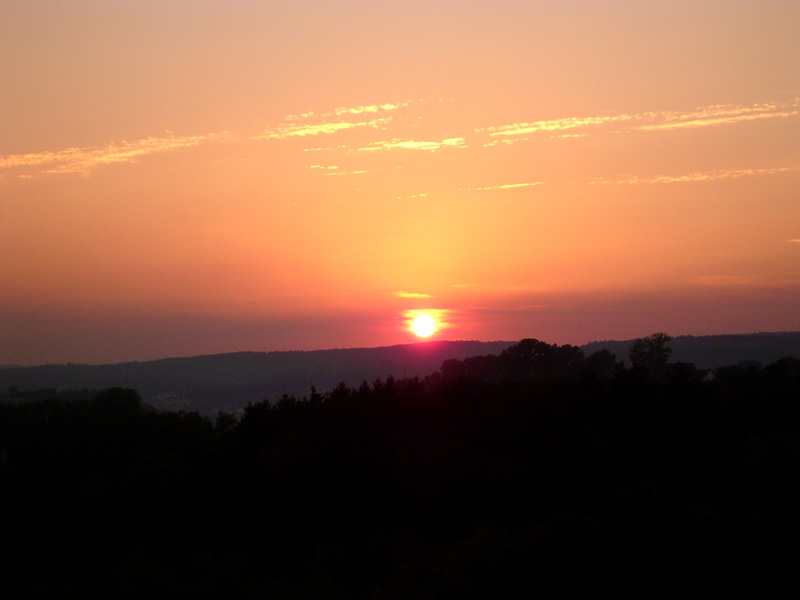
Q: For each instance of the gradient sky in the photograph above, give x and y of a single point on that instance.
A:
(191, 177)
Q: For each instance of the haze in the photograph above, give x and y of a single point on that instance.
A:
(191, 177)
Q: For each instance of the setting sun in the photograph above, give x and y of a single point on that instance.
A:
(423, 325)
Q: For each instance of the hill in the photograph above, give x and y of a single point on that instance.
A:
(229, 381)
(712, 351)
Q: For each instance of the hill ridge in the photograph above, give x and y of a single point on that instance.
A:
(228, 381)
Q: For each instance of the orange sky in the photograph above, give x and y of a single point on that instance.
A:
(190, 177)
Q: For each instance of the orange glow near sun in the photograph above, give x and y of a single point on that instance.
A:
(423, 325)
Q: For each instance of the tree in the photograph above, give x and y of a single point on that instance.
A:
(532, 358)
(650, 352)
(603, 363)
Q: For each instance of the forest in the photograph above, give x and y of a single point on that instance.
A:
(539, 469)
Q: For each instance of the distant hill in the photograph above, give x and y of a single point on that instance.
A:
(229, 381)
(711, 351)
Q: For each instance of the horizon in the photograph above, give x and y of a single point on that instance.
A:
(194, 178)
(354, 348)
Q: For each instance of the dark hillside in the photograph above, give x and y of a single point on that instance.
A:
(229, 381)
(712, 351)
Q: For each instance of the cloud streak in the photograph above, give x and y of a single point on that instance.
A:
(371, 108)
(381, 117)
(291, 130)
(518, 129)
(343, 110)
(298, 125)
(705, 116)
(695, 177)
(85, 160)
(411, 295)
(509, 186)
(722, 115)
(456, 142)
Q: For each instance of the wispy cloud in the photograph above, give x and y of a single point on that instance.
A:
(85, 160)
(411, 295)
(794, 241)
(386, 117)
(456, 142)
(518, 129)
(722, 114)
(510, 186)
(442, 316)
(697, 176)
(340, 173)
(704, 116)
(343, 110)
(311, 123)
(333, 170)
(370, 108)
(290, 130)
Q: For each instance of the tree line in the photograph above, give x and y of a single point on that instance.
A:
(538, 468)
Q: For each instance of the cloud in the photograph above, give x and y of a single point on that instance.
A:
(290, 130)
(722, 114)
(704, 116)
(354, 110)
(442, 316)
(371, 108)
(697, 176)
(510, 186)
(411, 295)
(328, 122)
(412, 196)
(333, 170)
(794, 241)
(456, 142)
(84, 160)
(339, 173)
(379, 117)
(555, 125)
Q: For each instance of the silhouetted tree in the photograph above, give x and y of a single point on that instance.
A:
(650, 352)
(603, 363)
(532, 358)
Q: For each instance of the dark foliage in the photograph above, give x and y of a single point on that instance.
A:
(537, 469)
(650, 353)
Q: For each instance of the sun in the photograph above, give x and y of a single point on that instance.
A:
(423, 325)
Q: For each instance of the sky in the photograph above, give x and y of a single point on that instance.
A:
(192, 177)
